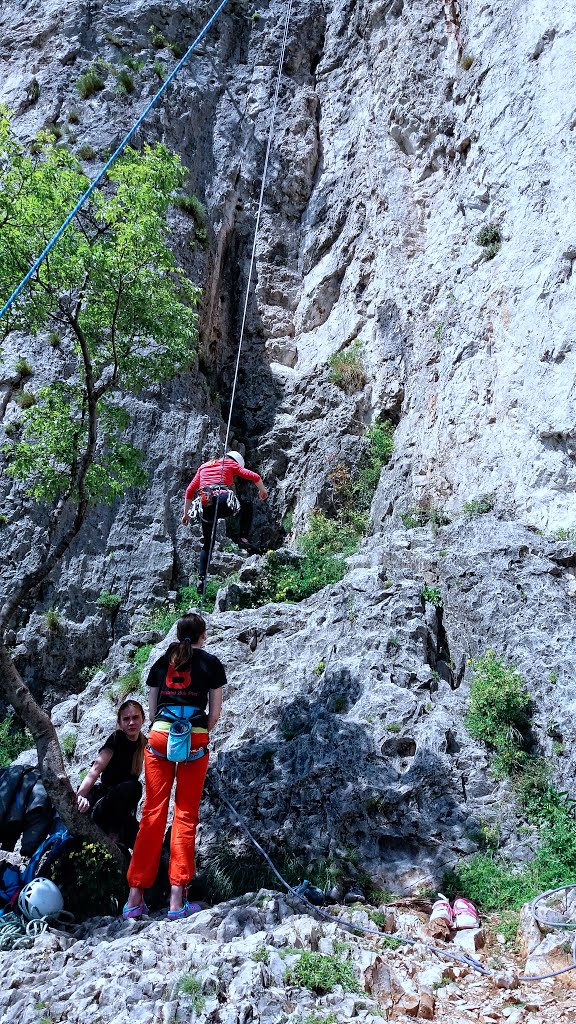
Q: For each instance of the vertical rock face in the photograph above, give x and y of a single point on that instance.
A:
(402, 131)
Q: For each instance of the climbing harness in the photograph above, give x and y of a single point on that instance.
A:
(212, 492)
(111, 160)
(250, 270)
(179, 748)
(467, 961)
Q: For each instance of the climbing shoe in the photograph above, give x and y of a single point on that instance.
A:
(135, 913)
(355, 894)
(186, 910)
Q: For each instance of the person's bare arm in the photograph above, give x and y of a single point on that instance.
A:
(261, 490)
(101, 762)
(153, 702)
(186, 517)
(214, 707)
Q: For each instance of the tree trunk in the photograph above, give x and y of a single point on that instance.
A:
(50, 760)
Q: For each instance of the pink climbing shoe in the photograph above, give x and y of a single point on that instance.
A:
(465, 914)
(186, 910)
(442, 911)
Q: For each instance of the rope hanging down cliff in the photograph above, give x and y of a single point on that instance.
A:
(250, 269)
(110, 161)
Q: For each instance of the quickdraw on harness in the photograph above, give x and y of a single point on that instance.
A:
(208, 494)
(179, 748)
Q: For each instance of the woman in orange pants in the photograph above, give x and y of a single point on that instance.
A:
(184, 684)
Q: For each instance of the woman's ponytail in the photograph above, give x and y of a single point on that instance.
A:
(188, 630)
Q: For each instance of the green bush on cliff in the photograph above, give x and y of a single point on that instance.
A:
(347, 369)
(498, 708)
(13, 740)
(495, 884)
(90, 880)
(321, 973)
(90, 82)
(295, 581)
(499, 714)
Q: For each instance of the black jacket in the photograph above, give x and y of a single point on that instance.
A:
(25, 808)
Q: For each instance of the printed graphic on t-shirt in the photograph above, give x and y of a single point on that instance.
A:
(177, 678)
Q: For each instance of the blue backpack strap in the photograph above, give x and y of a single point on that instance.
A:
(53, 846)
(10, 884)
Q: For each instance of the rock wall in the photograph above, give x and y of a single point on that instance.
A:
(403, 129)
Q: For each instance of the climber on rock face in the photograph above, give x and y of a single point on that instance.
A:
(214, 482)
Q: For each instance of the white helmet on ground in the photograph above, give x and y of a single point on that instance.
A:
(40, 898)
(237, 458)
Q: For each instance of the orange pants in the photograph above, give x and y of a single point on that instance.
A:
(159, 775)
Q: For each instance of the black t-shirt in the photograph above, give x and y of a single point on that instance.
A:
(119, 768)
(189, 684)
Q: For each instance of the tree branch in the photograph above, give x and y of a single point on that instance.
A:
(50, 761)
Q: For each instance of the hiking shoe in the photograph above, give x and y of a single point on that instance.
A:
(186, 910)
(442, 911)
(355, 894)
(465, 914)
(135, 913)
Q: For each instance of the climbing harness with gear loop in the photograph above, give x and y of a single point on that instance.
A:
(211, 493)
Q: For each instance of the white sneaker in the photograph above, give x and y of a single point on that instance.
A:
(465, 914)
(442, 911)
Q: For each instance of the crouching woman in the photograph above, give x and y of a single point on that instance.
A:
(114, 798)
(185, 687)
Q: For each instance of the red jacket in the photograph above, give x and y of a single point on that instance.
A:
(218, 471)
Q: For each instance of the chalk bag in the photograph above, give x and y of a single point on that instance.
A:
(179, 738)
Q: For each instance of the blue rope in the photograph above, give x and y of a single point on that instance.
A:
(109, 163)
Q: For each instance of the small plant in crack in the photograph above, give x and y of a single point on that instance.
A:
(490, 238)
(432, 595)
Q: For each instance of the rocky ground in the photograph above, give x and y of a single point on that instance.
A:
(235, 963)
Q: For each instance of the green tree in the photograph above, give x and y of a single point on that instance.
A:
(126, 316)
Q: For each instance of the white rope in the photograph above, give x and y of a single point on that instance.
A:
(248, 282)
(256, 228)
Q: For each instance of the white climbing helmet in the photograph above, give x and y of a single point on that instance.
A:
(40, 898)
(237, 458)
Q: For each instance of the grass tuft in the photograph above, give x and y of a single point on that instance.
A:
(347, 368)
(89, 83)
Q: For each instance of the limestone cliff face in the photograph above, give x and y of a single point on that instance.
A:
(403, 130)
